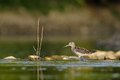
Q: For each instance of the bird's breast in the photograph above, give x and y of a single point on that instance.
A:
(80, 54)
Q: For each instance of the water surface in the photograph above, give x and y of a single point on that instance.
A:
(60, 70)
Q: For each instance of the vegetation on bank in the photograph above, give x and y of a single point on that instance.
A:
(44, 6)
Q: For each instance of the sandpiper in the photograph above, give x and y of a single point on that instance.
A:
(79, 50)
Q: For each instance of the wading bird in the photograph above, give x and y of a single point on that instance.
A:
(79, 50)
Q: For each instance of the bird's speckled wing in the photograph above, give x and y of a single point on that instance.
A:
(83, 50)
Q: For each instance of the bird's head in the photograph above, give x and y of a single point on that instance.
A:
(70, 44)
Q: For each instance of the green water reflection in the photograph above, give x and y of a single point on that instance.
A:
(60, 73)
(23, 49)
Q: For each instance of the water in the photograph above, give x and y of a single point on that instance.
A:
(89, 63)
(54, 70)
(60, 73)
(60, 70)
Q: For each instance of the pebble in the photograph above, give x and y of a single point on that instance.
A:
(99, 55)
(10, 58)
(48, 58)
(33, 58)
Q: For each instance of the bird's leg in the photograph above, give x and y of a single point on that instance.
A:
(81, 59)
(84, 59)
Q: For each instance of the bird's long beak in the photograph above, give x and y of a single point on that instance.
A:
(66, 46)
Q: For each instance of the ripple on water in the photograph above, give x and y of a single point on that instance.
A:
(92, 63)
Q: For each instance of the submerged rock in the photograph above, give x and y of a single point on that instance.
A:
(10, 58)
(48, 58)
(103, 55)
(56, 57)
(110, 52)
(33, 58)
(98, 55)
(117, 54)
(111, 56)
(73, 58)
(93, 56)
(65, 58)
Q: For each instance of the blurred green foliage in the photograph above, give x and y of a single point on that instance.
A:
(44, 6)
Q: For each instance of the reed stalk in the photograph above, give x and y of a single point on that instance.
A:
(41, 40)
(39, 43)
(38, 50)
